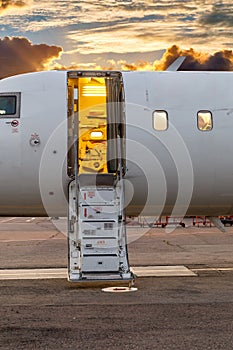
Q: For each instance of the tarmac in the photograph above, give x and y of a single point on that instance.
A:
(39, 243)
(172, 311)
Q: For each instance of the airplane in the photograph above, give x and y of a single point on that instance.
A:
(162, 139)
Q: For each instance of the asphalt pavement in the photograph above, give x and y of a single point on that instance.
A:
(192, 312)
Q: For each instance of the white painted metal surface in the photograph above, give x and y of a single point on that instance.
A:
(97, 235)
(181, 162)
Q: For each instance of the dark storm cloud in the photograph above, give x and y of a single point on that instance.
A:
(197, 61)
(218, 15)
(19, 55)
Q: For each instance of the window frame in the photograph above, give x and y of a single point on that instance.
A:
(153, 119)
(15, 115)
(211, 116)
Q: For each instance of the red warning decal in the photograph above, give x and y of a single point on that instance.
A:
(14, 123)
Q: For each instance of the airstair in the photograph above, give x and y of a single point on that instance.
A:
(96, 219)
(97, 235)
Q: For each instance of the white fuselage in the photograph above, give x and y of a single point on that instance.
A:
(178, 171)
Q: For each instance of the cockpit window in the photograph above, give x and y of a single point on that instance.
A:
(204, 120)
(10, 105)
(160, 120)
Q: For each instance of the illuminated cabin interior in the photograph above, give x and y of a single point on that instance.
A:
(95, 115)
(92, 125)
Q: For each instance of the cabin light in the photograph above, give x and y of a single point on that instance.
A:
(96, 135)
(94, 90)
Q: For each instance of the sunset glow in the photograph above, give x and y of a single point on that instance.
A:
(119, 34)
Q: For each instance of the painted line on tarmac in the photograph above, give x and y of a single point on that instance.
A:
(160, 271)
(143, 271)
(140, 271)
(31, 239)
(7, 220)
(216, 269)
(30, 220)
(32, 274)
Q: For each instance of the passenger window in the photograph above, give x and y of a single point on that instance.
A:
(160, 120)
(10, 105)
(204, 120)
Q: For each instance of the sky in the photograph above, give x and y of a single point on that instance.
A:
(115, 34)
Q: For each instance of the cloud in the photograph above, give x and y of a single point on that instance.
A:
(110, 64)
(197, 61)
(19, 55)
(87, 27)
(219, 14)
(147, 25)
(7, 4)
(139, 65)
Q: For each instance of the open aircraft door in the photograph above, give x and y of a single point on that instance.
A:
(96, 232)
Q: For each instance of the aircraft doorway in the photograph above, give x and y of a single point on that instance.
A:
(96, 217)
(95, 122)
